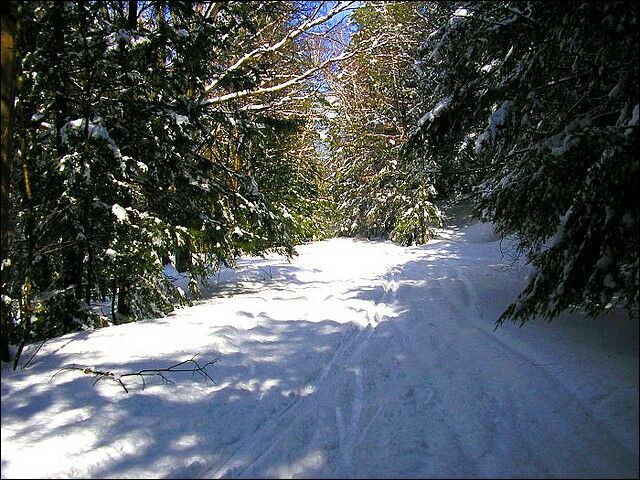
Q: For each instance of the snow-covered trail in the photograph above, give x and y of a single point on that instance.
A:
(357, 359)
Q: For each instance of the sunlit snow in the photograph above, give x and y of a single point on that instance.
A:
(356, 359)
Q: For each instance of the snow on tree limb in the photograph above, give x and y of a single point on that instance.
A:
(256, 53)
(277, 87)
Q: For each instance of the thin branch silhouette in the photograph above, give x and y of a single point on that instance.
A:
(147, 372)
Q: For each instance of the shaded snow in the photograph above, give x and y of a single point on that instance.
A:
(435, 112)
(481, 233)
(356, 359)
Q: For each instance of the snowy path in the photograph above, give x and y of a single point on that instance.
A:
(357, 359)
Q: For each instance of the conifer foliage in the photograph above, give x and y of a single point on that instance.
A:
(375, 104)
(542, 116)
(146, 133)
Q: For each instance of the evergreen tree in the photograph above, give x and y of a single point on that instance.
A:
(146, 131)
(541, 118)
(375, 101)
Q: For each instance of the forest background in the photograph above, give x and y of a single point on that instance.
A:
(137, 134)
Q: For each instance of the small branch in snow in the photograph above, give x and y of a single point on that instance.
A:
(28, 362)
(534, 364)
(149, 372)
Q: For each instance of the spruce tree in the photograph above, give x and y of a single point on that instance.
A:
(374, 104)
(541, 123)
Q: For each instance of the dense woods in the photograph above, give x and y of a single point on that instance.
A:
(149, 133)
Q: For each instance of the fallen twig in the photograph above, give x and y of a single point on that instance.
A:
(25, 365)
(148, 372)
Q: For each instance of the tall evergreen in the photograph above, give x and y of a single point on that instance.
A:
(541, 123)
(141, 137)
(374, 106)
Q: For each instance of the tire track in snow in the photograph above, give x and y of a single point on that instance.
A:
(325, 391)
(348, 436)
(346, 355)
(249, 454)
(347, 433)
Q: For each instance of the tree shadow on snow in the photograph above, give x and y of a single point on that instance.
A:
(407, 396)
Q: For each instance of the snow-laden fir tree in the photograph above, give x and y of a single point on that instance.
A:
(541, 119)
(374, 104)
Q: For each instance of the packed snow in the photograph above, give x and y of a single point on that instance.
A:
(356, 359)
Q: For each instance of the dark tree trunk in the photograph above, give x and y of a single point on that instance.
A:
(29, 225)
(132, 17)
(87, 114)
(73, 254)
(60, 100)
(9, 71)
(124, 299)
(183, 257)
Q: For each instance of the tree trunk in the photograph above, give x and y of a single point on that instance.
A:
(114, 292)
(29, 225)
(60, 100)
(124, 299)
(74, 253)
(88, 200)
(132, 15)
(9, 71)
(162, 32)
(183, 257)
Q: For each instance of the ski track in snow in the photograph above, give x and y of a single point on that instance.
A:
(357, 359)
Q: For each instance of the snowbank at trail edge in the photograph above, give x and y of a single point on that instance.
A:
(481, 233)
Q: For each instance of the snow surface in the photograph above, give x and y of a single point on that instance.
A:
(435, 112)
(356, 359)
